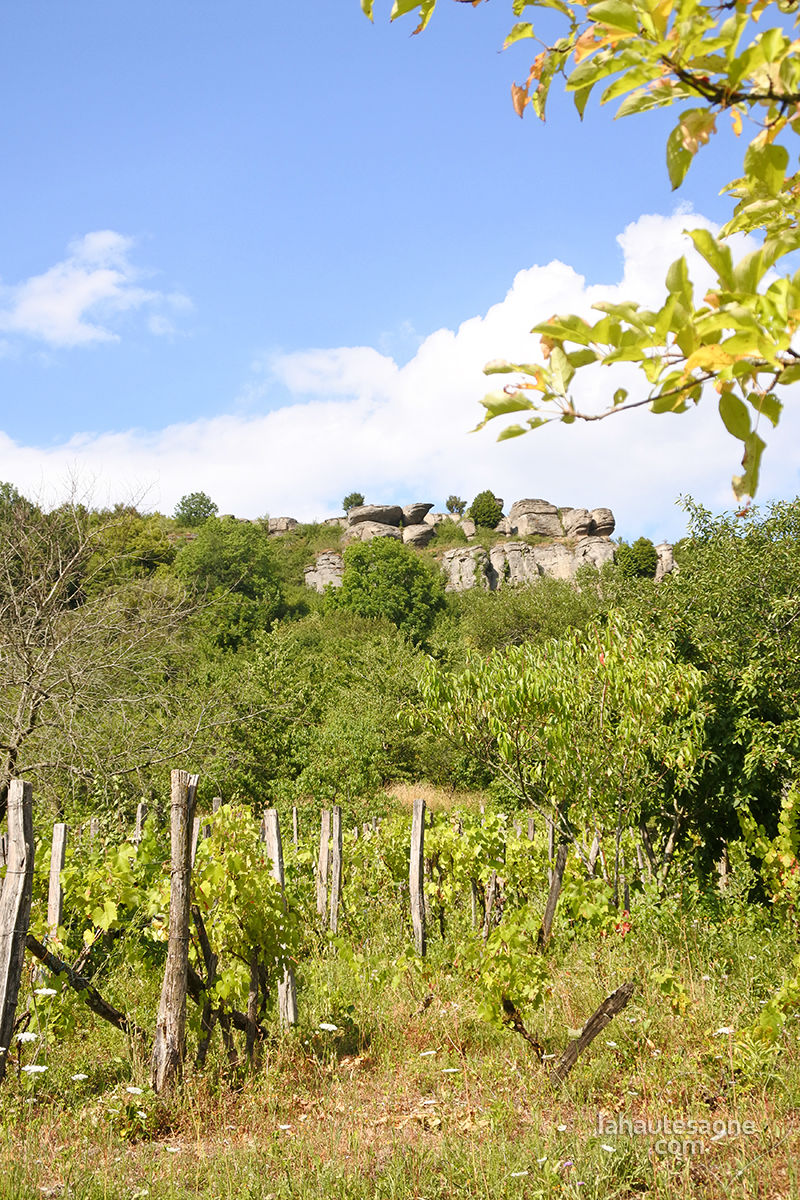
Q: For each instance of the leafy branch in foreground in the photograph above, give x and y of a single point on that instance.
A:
(650, 54)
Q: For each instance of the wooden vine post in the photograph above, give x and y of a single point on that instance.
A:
(416, 875)
(323, 864)
(15, 908)
(168, 1045)
(336, 866)
(287, 993)
(55, 894)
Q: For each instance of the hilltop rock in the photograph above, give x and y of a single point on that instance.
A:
(340, 521)
(365, 531)
(528, 517)
(327, 570)
(433, 518)
(376, 514)
(468, 526)
(603, 521)
(281, 524)
(418, 536)
(593, 552)
(415, 514)
(666, 561)
(576, 522)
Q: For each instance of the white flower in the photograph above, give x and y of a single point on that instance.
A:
(172, 1149)
(561, 1128)
(608, 1149)
(328, 1027)
(422, 1053)
(284, 1127)
(517, 1174)
(613, 1045)
(45, 992)
(79, 1078)
(34, 1069)
(451, 1070)
(27, 1037)
(724, 1030)
(134, 1091)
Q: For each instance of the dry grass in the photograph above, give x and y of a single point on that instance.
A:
(437, 799)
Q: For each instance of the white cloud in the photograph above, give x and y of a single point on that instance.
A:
(358, 420)
(75, 302)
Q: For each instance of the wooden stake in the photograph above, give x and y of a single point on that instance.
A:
(531, 829)
(295, 828)
(336, 866)
(287, 994)
(612, 1005)
(323, 865)
(416, 875)
(141, 817)
(55, 895)
(15, 908)
(168, 1045)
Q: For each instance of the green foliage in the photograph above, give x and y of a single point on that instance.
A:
(511, 616)
(485, 510)
(352, 500)
(384, 579)
(230, 564)
(639, 560)
(778, 857)
(713, 62)
(454, 504)
(195, 509)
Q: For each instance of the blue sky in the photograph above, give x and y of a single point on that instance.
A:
(240, 243)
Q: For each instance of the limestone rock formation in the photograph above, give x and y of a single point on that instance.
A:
(281, 524)
(433, 518)
(468, 526)
(666, 561)
(365, 531)
(381, 514)
(576, 522)
(418, 535)
(327, 570)
(528, 517)
(603, 522)
(465, 568)
(340, 521)
(593, 552)
(415, 514)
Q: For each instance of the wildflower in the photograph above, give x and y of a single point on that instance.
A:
(27, 1037)
(608, 1149)
(328, 1027)
(79, 1077)
(422, 1053)
(724, 1030)
(134, 1091)
(451, 1070)
(561, 1128)
(284, 1127)
(45, 992)
(518, 1174)
(34, 1068)
(613, 1045)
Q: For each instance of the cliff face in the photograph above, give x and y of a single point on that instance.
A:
(571, 538)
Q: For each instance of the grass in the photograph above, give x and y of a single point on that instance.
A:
(415, 1095)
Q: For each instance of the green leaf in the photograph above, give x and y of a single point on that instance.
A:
(401, 7)
(366, 8)
(522, 29)
(716, 254)
(570, 328)
(768, 405)
(790, 374)
(747, 484)
(619, 14)
(767, 164)
(748, 272)
(497, 404)
(735, 416)
(678, 158)
(511, 431)
(561, 370)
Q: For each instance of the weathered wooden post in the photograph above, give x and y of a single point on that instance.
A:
(55, 894)
(336, 866)
(94, 829)
(295, 828)
(3, 852)
(556, 878)
(416, 875)
(287, 995)
(216, 804)
(195, 838)
(551, 842)
(323, 864)
(141, 817)
(168, 1044)
(15, 908)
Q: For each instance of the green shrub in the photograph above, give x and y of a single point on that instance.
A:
(638, 561)
(485, 510)
(352, 500)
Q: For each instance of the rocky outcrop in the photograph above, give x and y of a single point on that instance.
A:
(380, 514)
(415, 514)
(365, 531)
(418, 535)
(666, 561)
(529, 517)
(433, 518)
(603, 523)
(326, 572)
(466, 568)
(340, 521)
(576, 522)
(467, 526)
(281, 524)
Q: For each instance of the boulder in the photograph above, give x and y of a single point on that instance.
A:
(433, 518)
(603, 521)
(576, 522)
(365, 531)
(554, 560)
(666, 561)
(281, 524)
(513, 563)
(415, 514)
(327, 571)
(468, 525)
(418, 535)
(503, 526)
(340, 521)
(528, 517)
(376, 514)
(593, 552)
(466, 568)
